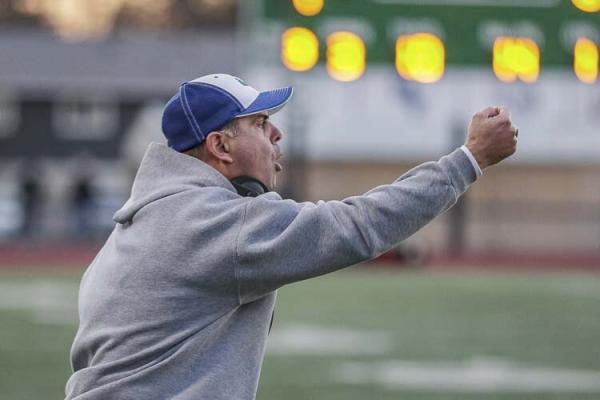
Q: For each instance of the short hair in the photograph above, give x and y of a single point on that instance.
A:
(230, 129)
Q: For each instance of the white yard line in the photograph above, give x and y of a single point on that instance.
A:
(585, 289)
(45, 301)
(480, 375)
(477, 3)
(313, 339)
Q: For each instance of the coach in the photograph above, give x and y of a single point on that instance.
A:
(178, 302)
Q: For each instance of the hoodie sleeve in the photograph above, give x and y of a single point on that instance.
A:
(281, 241)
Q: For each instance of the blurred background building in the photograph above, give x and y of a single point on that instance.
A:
(381, 85)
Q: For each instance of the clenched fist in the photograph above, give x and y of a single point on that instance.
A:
(492, 136)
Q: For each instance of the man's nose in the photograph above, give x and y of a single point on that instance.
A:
(276, 134)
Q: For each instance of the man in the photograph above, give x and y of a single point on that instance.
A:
(179, 301)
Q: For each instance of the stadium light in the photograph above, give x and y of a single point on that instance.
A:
(346, 54)
(299, 49)
(420, 57)
(308, 8)
(585, 61)
(516, 58)
(590, 6)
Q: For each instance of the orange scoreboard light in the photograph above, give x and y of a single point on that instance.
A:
(346, 56)
(420, 57)
(308, 8)
(589, 6)
(586, 60)
(516, 58)
(299, 49)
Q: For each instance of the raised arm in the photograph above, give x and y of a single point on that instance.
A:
(281, 241)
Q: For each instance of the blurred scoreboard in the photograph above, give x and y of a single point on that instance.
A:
(410, 73)
(516, 39)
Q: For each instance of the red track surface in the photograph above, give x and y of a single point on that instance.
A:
(47, 254)
(80, 255)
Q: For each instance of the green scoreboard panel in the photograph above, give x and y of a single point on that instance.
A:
(416, 68)
(466, 27)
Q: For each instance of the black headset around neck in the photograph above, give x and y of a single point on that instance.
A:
(246, 186)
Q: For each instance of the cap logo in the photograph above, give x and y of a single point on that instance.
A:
(241, 81)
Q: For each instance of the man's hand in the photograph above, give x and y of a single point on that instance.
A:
(492, 136)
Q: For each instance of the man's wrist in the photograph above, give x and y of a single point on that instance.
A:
(473, 160)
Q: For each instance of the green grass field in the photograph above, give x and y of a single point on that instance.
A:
(362, 335)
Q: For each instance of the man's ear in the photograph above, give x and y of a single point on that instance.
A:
(218, 146)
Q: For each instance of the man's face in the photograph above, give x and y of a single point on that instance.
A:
(255, 151)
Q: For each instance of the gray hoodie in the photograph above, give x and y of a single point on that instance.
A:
(177, 304)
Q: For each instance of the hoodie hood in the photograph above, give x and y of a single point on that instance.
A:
(164, 172)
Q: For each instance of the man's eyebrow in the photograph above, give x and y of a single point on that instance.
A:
(264, 117)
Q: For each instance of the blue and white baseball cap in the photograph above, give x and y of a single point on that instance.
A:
(208, 103)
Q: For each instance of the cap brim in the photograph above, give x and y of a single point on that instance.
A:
(270, 101)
